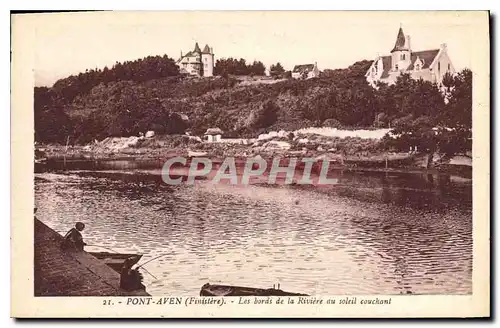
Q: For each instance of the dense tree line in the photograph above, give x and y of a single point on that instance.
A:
(232, 66)
(338, 98)
(148, 68)
(433, 121)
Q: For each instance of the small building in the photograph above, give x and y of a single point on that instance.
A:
(213, 134)
(305, 71)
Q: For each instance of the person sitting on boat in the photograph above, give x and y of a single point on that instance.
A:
(131, 279)
(74, 239)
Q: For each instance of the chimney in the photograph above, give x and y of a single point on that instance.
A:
(408, 42)
(443, 45)
(181, 53)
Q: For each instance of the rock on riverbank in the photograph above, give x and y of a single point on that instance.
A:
(342, 151)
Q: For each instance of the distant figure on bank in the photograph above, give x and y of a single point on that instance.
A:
(74, 239)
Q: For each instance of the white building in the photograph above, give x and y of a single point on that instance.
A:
(197, 62)
(430, 65)
(307, 70)
(213, 135)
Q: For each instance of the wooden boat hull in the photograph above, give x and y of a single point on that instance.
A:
(224, 290)
(116, 260)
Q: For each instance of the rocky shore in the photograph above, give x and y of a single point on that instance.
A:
(348, 152)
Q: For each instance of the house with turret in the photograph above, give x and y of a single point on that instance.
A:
(197, 62)
(429, 65)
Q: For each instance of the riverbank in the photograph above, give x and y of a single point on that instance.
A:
(60, 272)
(349, 152)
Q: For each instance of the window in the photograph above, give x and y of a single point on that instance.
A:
(417, 67)
(396, 67)
(449, 68)
(205, 60)
(403, 57)
(439, 66)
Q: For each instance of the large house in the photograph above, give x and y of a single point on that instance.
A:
(197, 62)
(305, 71)
(430, 65)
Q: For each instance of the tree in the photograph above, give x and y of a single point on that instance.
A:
(263, 116)
(409, 97)
(276, 70)
(232, 66)
(423, 134)
(139, 70)
(257, 68)
(458, 90)
(52, 123)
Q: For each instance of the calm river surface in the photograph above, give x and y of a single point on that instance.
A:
(373, 233)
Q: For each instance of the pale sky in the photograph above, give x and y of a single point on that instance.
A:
(69, 43)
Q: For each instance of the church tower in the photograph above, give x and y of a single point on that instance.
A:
(401, 53)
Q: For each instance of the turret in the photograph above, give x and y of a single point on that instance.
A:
(196, 48)
(207, 59)
(401, 53)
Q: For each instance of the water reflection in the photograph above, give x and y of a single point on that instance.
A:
(372, 233)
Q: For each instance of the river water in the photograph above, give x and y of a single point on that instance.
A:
(372, 233)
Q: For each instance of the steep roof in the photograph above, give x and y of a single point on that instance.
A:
(206, 50)
(196, 48)
(426, 56)
(196, 52)
(386, 63)
(303, 68)
(214, 131)
(400, 41)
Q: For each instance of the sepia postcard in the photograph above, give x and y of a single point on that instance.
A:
(250, 164)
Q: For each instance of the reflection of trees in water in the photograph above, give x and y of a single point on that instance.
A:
(415, 190)
(400, 241)
(433, 191)
(405, 249)
(131, 186)
(63, 164)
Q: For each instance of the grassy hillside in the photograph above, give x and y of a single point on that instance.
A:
(150, 94)
(127, 107)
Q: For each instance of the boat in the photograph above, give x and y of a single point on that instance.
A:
(116, 261)
(224, 290)
(196, 153)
